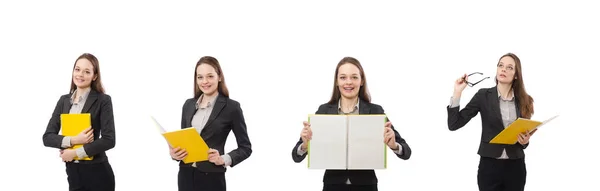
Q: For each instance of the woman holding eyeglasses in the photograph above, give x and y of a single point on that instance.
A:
(501, 167)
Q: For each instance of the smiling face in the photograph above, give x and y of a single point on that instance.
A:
(83, 73)
(349, 80)
(505, 72)
(207, 79)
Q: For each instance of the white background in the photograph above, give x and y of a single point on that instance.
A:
(279, 60)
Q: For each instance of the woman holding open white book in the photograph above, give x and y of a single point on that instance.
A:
(351, 96)
(213, 114)
(501, 166)
(87, 166)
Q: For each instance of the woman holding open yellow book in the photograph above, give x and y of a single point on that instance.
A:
(81, 117)
(501, 166)
(213, 114)
(350, 96)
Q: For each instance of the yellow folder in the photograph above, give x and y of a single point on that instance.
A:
(72, 125)
(188, 139)
(509, 135)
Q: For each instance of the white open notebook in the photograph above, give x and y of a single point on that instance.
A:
(347, 142)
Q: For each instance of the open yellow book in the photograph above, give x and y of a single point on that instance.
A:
(72, 125)
(188, 139)
(509, 135)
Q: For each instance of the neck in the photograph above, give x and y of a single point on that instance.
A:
(504, 90)
(206, 97)
(80, 91)
(348, 103)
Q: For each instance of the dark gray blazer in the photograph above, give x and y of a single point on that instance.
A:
(99, 106)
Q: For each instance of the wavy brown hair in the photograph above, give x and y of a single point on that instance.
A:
(97, 83)
(212, 61)
(363, 92)
(525, 101)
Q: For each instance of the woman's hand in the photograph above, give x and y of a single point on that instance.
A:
(86, 136)
(389, 137)
(177, 153)
(67, 155)
(215, 157)
(459, 85)
(306, 135)
(524, 137)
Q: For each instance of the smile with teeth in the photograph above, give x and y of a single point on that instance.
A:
(348, 88)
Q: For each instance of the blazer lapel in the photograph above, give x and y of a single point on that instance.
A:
(364, 108)
(517, 109)
(91, 99)
(218, 107)
(67, 104)
(494, 102)
(333, 109)
(189, 111)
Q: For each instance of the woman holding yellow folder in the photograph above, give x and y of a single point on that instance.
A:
(213, 114)
(87, 166)
(351, 96)
(501, 167)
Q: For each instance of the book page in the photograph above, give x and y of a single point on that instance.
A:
(158, 126)
(366, 149)
(327, 149)
(548, 120)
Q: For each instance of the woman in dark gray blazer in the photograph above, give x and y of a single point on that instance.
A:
(85, 96)
(501, 167)
(214, 115)
(351, 96)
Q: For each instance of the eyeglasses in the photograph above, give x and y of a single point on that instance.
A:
(473, 84)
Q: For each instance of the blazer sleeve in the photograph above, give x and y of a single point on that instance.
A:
(240, 131)
(299, 158)
(107, 129)
(457, 119)
(51, 138)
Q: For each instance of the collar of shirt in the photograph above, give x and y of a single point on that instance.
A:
(340, 105)
(210, 102)
(82, 96)
(511, 96)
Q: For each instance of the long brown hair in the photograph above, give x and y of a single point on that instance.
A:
(363, 92)
(222, 87)
(525, 101)
(96, 84)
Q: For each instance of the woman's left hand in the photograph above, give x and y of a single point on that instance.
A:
(389, 137)
(215, 157)
(524, 137)
(67, 155)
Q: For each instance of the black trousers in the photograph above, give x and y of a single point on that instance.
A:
(192, 179)
(501, 174)
(90, 177)
(349, 187)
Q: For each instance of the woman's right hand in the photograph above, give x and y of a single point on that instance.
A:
(459, 85)
(306, 135)
(86, 136)
(177, 153)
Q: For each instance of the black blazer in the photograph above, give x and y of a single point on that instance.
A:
(357, 177)
(226, 116)
(99, 106)
(487, 103)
